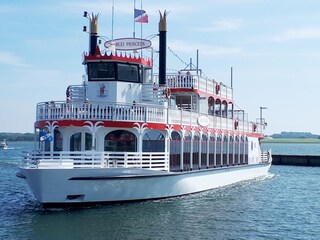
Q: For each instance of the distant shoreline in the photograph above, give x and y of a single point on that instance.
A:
(291, 140)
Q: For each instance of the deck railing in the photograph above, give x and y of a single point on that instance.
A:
(92, 159)
(99, 111)
(175, 80)
(137, 113)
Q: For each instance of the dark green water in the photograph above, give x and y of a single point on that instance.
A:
(283, 205)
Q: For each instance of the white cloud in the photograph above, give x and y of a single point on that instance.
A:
(9, 58)
(298, 34)
(223, 25)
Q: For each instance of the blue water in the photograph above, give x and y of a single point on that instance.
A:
(283, 205)
(293, 148)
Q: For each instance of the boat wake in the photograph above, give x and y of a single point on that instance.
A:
(9, 148)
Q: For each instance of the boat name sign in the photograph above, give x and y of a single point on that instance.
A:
(203, 121)
(128, 43)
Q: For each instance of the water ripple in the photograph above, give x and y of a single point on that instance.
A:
(282, 205)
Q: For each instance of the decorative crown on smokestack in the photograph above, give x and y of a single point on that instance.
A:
(93, 31)
(163, 21)
(94, 24)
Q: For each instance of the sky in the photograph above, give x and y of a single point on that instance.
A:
(272, 46)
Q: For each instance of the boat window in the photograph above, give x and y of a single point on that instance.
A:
(147, 76)
(230, 110)
(224, 109)
(102, 71)
(187, 151)
(196, 151)
(184, 102)
(204, 151)
(75, 142)
(153, 141)
(88, 141)
(212, 150)
(217, 108)
(77, 139)
(120, 141)
(175, 151)
(211, 105)
(128, 72)
(58, 140)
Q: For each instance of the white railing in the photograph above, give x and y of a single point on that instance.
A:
(153, 93)
(176, 80)
(100, 111)
(77, 92)
(91, 159)
(136, 113)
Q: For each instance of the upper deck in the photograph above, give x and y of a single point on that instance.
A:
(203, 86)
(154, 106)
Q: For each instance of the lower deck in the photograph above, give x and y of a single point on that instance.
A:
(142, 146)
(158, 161)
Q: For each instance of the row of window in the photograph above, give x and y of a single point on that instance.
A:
(113, 71)
(197, 154)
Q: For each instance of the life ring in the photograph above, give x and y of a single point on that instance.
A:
(167, 92)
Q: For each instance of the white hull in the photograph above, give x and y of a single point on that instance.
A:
(82, 186)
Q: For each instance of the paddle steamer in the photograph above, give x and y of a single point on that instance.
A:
(127, 134)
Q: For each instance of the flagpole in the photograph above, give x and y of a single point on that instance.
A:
(141, 22)
(141, 29)
(134, 22)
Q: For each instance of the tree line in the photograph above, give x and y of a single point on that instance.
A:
(15, 137)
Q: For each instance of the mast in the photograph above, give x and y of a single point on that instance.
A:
(112, 19)
(134, 19)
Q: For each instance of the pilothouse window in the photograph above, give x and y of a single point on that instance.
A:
(147, 75)
(128, 72)
(101, 71)
(113, 71)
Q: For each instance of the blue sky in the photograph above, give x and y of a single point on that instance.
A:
(273, 47)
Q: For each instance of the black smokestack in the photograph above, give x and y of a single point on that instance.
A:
(93, 33)
(162, 47)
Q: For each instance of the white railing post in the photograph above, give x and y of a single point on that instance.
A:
(125, 163)
(150, 160)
